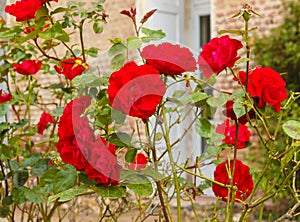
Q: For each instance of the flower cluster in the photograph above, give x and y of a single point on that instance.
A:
(77, 145)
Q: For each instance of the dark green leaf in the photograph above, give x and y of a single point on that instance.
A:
(130, 155)
(55, 32)
(98, 27)
(34, 195)
(139, 184)
(204, 128)
(20, 177)
(120, 139)
(18, 195)
(31, 160)
(40, 167)
(65, 179)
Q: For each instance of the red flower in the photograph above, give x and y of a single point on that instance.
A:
(139, 162)
(28, 67)
(5, 97)
(102, 163)
(136, 90)
(74, 133)
(229, 112)
(44, 121)
(169, 59)
(24, 10)
(48, 1)
(230, 134)
(242, 179)
(218, 54)
(267, 85)
(71, 67)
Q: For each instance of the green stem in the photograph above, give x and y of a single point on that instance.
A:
(166, 134)
(81, 39)
(247, 54)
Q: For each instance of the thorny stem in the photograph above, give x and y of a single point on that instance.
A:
(248, 54)
(43, 52)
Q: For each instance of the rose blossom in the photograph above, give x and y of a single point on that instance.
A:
(139, 162)
(44, 121)
(71, 67)
(229, 112)
(169, 59)
(102, 163)
(136, 90)
(268, 86)
(24, 10)
(71, 140)
(242, 179)
(230, 134)
(5, 97)
(28, 67)
(218, 54)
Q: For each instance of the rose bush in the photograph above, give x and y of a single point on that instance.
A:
(87, 146)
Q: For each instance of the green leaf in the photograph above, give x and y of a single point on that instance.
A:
(152, 34)
(98, 27)
(110, 191)
(134, 43)
(194, 97)
(55, 32)
(20, 177)
(217, 102)
(65, 178)
(93, 52)
(155, 175)
(20, 124)
(204, 128)
(58, 112)
(120, 139)
(287, 157)
(59, 10)
(118, 116)
(292, 129)
(117, 62)
(87, 80)
(239, 109)
(242, 60)
(4, 126)
(130, 155)
(139, 184)
(68, 194)
(31, 160)
(34, 195)
(41, 166)
(3, 109)
(18, 195)
(116, 49)
(178, 93)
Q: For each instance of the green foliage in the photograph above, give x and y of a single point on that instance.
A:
(280, 49)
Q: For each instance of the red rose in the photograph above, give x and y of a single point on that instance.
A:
(229, 112)
(102, 163)
(48, 1)
(28, 67)
(169, 59)
(71, 67)
(74, 133)
(24, 10)
(267, 85)
(139, 162)
(230, 133)
(44, 121)
(218, 54)
(242, 179)
(5, 97)
(242, 77)
(136, 90)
